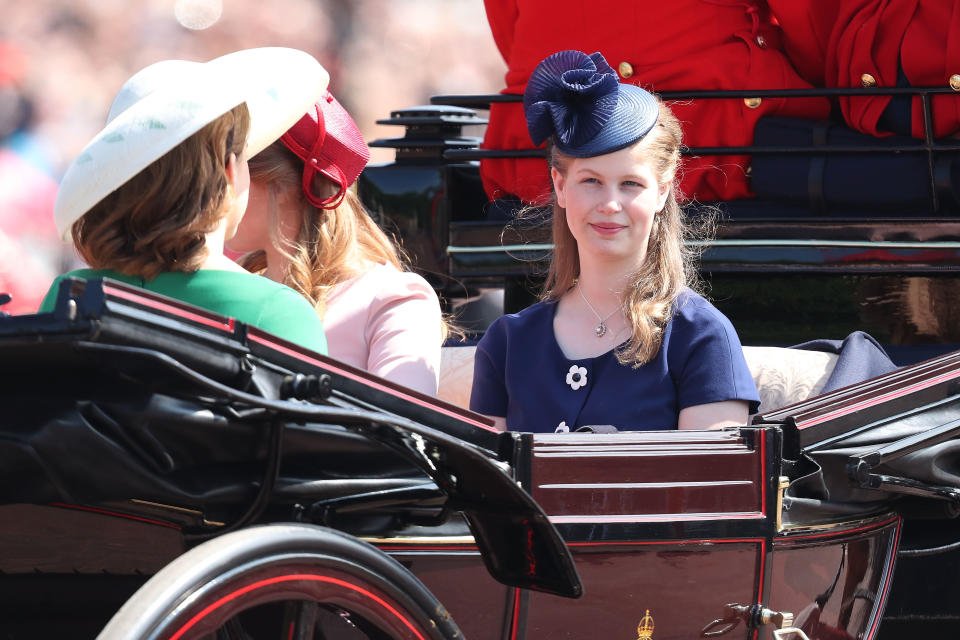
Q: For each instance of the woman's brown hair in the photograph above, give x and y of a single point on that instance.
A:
(669, 266)
(158, 220)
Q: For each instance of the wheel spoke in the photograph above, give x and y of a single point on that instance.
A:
(232, 630)
(300, 620)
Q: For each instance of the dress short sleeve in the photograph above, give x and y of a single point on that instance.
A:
(705, 357)
(404, 331)
(489, 393)
(387, 322)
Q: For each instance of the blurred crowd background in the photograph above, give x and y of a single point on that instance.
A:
(62, 61)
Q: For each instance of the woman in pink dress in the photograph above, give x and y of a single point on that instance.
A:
(305, 228)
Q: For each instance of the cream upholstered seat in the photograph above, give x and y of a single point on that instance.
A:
(783, 376)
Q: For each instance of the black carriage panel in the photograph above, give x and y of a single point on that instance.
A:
(264, 429)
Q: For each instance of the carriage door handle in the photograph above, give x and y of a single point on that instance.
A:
(754, 616)
(781, 620)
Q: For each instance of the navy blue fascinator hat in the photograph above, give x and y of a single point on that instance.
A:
(579, 101)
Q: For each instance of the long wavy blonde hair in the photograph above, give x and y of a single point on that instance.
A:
(331, 245)
(669, 266)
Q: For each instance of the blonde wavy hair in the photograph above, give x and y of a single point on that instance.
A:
(158, 220)
(670, 263)
(329, 244)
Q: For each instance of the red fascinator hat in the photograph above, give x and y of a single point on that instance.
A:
(329, 143)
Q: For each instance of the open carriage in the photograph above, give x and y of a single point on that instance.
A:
(192, 477)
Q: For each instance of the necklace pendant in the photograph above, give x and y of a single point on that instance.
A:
(600, 330)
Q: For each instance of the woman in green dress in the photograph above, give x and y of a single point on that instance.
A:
(153, 198)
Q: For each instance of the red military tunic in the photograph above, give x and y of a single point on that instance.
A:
(662, 46)
(871, 36)
(806, 26)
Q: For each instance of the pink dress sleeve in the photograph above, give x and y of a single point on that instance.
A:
(389, 323)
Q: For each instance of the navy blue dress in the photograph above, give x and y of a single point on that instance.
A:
(521, 373)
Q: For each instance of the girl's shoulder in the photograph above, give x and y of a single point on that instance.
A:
(533, 320)
(691, 307)
(535, 315)
(695, 319)
(405, 280)
(384, 282)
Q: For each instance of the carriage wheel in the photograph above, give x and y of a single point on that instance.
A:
(283, 581)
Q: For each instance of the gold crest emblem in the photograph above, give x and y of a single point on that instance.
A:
(645, 628)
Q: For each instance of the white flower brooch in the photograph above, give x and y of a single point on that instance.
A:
(577, 377)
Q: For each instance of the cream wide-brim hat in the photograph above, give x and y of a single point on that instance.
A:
(167, 102)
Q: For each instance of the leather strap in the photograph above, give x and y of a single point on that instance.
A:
(817, 169)
(943, 179)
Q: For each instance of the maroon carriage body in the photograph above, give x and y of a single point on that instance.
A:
(157, 444)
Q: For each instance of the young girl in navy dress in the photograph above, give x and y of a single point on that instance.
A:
(620, 338)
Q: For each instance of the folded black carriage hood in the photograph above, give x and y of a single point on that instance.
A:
(121, 393)
(890, 438)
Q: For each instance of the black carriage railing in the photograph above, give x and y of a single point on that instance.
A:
(460, 234)
(927, 145)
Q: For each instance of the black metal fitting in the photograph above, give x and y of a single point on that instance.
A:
(312, 388)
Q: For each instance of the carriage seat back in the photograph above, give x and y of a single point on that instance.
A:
(783, 376)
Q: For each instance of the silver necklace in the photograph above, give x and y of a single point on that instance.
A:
(601, 329)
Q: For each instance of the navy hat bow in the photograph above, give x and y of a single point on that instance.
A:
(579, 101)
